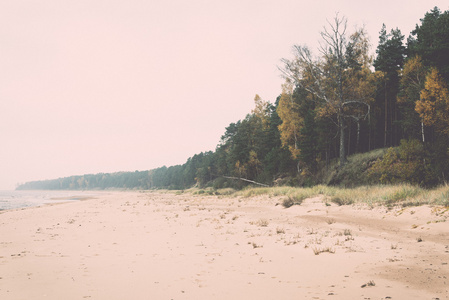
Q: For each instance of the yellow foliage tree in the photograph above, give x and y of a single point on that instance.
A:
(254, 164)
(291, 120)
(412, 79)
(433, 105)
(412, 82)
(240, 169)
(261, 111)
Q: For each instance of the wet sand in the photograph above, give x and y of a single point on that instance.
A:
(133, 245)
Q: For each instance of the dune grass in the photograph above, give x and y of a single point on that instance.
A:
(385, 195)
(372, 195)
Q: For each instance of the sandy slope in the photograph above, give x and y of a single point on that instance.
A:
(133, 245)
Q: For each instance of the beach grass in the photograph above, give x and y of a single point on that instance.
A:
(375, 195)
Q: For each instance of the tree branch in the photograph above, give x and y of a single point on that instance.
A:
(244, 179)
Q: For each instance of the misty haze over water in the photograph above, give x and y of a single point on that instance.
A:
(23, 199)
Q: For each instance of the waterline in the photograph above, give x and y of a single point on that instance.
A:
(23, 199)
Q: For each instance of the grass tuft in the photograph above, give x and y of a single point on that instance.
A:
(280, 230)
(318, 251)
(369, 283)
(262, 223)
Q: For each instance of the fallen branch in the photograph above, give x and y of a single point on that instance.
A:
(247, 180)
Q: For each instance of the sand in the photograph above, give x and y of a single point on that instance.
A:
(135, 245)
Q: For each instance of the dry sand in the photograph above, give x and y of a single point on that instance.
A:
(130, 245)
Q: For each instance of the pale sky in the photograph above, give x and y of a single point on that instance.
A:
(90, 86)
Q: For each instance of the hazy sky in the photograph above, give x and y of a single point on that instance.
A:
(89, 86)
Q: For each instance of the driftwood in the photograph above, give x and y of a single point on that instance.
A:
(247, 180)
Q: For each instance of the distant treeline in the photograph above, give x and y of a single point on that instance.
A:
(336, 104)
(128, 180)
(174, 177)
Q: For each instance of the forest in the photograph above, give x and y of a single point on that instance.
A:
(336, 101)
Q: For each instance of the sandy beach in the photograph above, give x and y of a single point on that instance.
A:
(145, 245)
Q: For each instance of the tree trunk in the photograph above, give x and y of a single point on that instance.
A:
(342, 141)
(395, 128)
(391, 123)
(422, 132)
(247, 180)
(348, 149)
(370, 130)
(357, 147)
(386, 115)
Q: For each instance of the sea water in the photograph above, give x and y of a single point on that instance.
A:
(22, 199)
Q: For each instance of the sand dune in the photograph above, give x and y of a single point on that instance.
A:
(130, 245)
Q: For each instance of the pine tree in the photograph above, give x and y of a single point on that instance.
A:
(389, 60)
(430, 41)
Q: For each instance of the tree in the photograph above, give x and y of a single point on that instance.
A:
(299, 127)
(433, 105)
(411, 83)
(429, 46)
(277, 160)
(261, 111)
(288, 111)
(430, 41)
(390, 60)
(340, 78)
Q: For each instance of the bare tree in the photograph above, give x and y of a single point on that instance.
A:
(339, 78)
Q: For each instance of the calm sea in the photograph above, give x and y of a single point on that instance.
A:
(20, 199)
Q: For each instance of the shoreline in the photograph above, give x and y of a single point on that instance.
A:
(148, 245)
(14, 199)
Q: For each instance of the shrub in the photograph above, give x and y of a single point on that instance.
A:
(405, 163)
(355, 172)
(342, 201)
(293, 200)
(288, 202)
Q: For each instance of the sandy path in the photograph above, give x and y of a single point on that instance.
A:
(161, 246)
